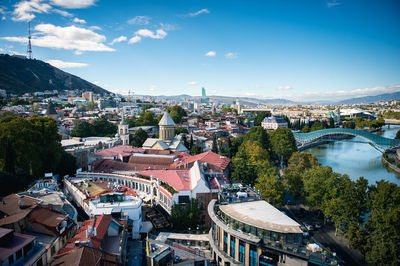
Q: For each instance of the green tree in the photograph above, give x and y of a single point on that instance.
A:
(180, 130)
(270, 187)
(226, 110)
(48, 147)
(196, 149)
(260, 116)
(67, 164)
(305, 129)
(29, 145)
(177, 113)
(317, 125)
(249, 162)
(139, 138)
(146, 119)
(235, 144)
(318, 181)
(103, 128)
(91, 106)
(383, 224)
(214, 147)
(131, 121)
(259, 135)
(184, 216)
(283, 143)
(349, 124)
(146, 106)
(292, 175)
(82, 129)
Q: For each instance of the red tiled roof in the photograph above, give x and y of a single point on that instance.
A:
(179, 179)
(10, 204)
(18, 241)
(102, 223)
(122, 150)
(16, 208)
(208, 157)
(83, 256)
(47, 217)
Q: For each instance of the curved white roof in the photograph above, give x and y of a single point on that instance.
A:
(263, 215)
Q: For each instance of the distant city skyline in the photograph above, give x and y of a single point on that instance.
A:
(296, 50)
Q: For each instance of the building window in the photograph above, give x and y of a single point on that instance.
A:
(11, 259)
(183, 199)
(40, 262)
(27, 248)
(233, 247)
(18, 255)
(53, 250)
(253, 256)
(241, 251)
(225, 242)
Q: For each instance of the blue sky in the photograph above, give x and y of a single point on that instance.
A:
(300, 50)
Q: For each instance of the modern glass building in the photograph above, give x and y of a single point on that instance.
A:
(248, 231)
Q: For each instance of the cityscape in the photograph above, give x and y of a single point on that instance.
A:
(199, 132)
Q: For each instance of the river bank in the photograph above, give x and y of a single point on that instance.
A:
(356, 158)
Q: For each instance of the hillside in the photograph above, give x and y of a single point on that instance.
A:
(19, 76)
(372, 99)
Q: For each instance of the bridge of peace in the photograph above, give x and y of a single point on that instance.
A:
(305, 140)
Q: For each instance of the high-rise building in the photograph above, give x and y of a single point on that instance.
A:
(203, 96)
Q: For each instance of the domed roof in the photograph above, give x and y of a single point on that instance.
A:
(166, 120)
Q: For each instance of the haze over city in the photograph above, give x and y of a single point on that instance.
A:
(298, 50)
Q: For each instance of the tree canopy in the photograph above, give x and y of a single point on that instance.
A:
(29, 145)
(146, 119)
(139, 138)
(283, 143)
(100, 127)
(177, 113)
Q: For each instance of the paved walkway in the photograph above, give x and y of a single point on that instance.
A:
(326, 237)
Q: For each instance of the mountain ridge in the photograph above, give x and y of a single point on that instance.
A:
(20, 75)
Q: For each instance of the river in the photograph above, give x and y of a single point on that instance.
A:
(356, 159)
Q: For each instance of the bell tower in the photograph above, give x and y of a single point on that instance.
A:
(166, 127)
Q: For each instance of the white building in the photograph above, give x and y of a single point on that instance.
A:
(272, 123)
(104, 196)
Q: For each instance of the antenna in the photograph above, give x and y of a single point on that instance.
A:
(29, 41)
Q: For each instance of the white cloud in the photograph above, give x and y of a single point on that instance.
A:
(191, 83)
(63, 64)
(24, 10)
(231, 55)
(139, 20)
(94, 28)
(284, 88)
(211, 53)
(152, 87)
(73, 4)
(134, 39)
(159, 34)
(69, 38)
(339, 94)
(333, 4)
(119, 39)
(81, 21)
(63, 13)
(201, 11)
(168, 27)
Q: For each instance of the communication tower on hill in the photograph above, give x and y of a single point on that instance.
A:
(29, 51)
